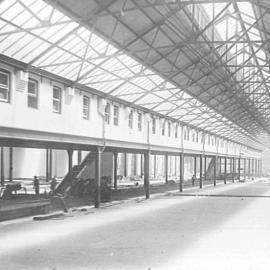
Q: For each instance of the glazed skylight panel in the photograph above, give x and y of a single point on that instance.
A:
(39, 34)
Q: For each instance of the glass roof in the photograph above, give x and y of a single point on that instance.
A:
(40, 35)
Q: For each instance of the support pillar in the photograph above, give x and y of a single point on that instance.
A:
(125, 164)
(249, 168)
(155, 166)
(201, 170)
(166, 168)
(233, 169)
(245, 173)
(146, 174)
(239, 169)
(115, 165)
(142, 166)
(79, 157)
(50, 163)
(2, 167)
(205, 168)
(195, 166)
(182, 169)
(70, 154)
(225, 170)
(10, 164)
(47, 166)
(97, 177)
(215, 170)
(135, 164)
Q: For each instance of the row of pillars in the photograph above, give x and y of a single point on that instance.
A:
(254, 164)
(254, 168)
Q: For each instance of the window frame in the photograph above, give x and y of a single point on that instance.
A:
(31, 95)
(7, 87)
(154, 125)
(57, 100)
(107, 114)
(169, 129)
(86, 117)
(130, 119)
(139, 121)
(115, 115)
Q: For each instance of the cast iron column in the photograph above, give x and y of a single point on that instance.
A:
(146, 174)
(97, 177)
(201, 170)
(182, 168)
(10, 164)
(115, 165)
(2, 167)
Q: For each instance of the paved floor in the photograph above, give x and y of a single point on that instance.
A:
(166, 232)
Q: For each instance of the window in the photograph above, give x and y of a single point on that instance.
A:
(185, 134)
(139, 121)
(188, 131)
(208, 139)
(32, 99)
(169, 129)
(193, 136)
(108, 113)
(197, 136)
(4, 86)
(115, 115)
(153, 126)
(163, 129)
(57, 99)
(176, 131)
(86, 103)
(130, 119)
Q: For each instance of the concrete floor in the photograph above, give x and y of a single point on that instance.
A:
(165, 232)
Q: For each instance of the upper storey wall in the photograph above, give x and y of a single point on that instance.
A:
(31, 102)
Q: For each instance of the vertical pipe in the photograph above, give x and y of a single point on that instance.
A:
(10, 164)
(115, 165)
(97, 177)
(2, 167)
(146, 174)
(166, 168)
(201, 170)
(182, 169)
(225, 170)
(215, 170)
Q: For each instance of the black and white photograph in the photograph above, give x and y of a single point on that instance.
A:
(134, 134)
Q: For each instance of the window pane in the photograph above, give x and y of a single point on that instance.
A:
(3, 93)
(4, 78)
(116, 115)
(56, 93)
(32, 87)
(32, 102)
(86, 107)
(56, 107)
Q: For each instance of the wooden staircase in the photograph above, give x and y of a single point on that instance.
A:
(66, 182)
